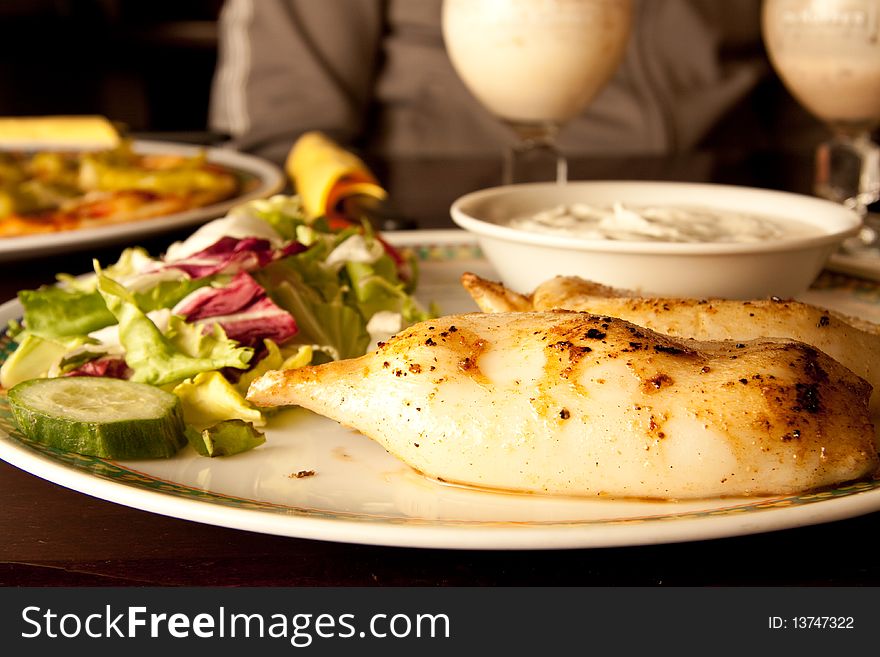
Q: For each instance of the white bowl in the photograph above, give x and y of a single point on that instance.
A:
(783, 267)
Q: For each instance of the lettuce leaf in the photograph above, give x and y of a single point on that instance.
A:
(356, 249)
(237, 225)
(56, 312)
(276, 358)
(35, 357)
(166, 293)
(284, 213)
(132, 263)
(182, 352)
(209, 398)
(225, 438)
(316, 300)
(220, 421)
(375, 287)
(51, 312)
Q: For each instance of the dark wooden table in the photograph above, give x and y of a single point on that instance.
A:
(52, 536)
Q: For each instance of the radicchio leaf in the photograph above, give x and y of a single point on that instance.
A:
(230, 255)
(242, 308)
(110, 366)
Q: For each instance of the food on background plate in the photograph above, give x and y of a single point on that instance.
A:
(262, 288)
(53, 183)
(579, 404)
(854, 343)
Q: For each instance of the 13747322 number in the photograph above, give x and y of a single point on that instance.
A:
(811, 623)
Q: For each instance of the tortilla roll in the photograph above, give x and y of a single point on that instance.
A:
(325, 174)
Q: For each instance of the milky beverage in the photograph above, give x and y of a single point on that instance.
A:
(535, 60)
(828, 54)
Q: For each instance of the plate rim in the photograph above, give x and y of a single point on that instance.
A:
(761, 515)
(475, 535)
(271, 181)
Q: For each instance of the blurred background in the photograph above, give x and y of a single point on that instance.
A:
(149, 65)
(146, 64)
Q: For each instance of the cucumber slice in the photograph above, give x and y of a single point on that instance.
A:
(110, 418)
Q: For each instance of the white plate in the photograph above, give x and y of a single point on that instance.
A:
(259, 178)
(361, 494)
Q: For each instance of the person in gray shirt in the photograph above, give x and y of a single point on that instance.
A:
(374, 74)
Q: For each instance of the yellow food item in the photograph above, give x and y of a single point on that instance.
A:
(324, 174)
(57, 133)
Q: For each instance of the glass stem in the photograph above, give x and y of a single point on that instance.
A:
(848, 172)
(535, 156)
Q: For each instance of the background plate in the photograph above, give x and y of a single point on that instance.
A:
(259, 179)
(361, 494)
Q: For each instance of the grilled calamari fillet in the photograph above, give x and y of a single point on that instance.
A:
(579, 404)
(854, 343)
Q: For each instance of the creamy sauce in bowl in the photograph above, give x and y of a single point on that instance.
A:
(681, 224)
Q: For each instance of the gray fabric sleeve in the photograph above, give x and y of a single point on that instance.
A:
(287, 66)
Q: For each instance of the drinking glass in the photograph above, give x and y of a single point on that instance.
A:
(827, 53)
(535, 64)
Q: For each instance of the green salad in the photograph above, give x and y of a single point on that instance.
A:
(260, 289)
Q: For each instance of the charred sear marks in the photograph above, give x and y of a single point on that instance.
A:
(468, 364)
(807, 392)
(596, 338)
(573, 351)
(466, 346)
(655, 427)
(656, 382)
(463, 345)
(668, 349)
(569, 352)
(811, 365)
(808, 398)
